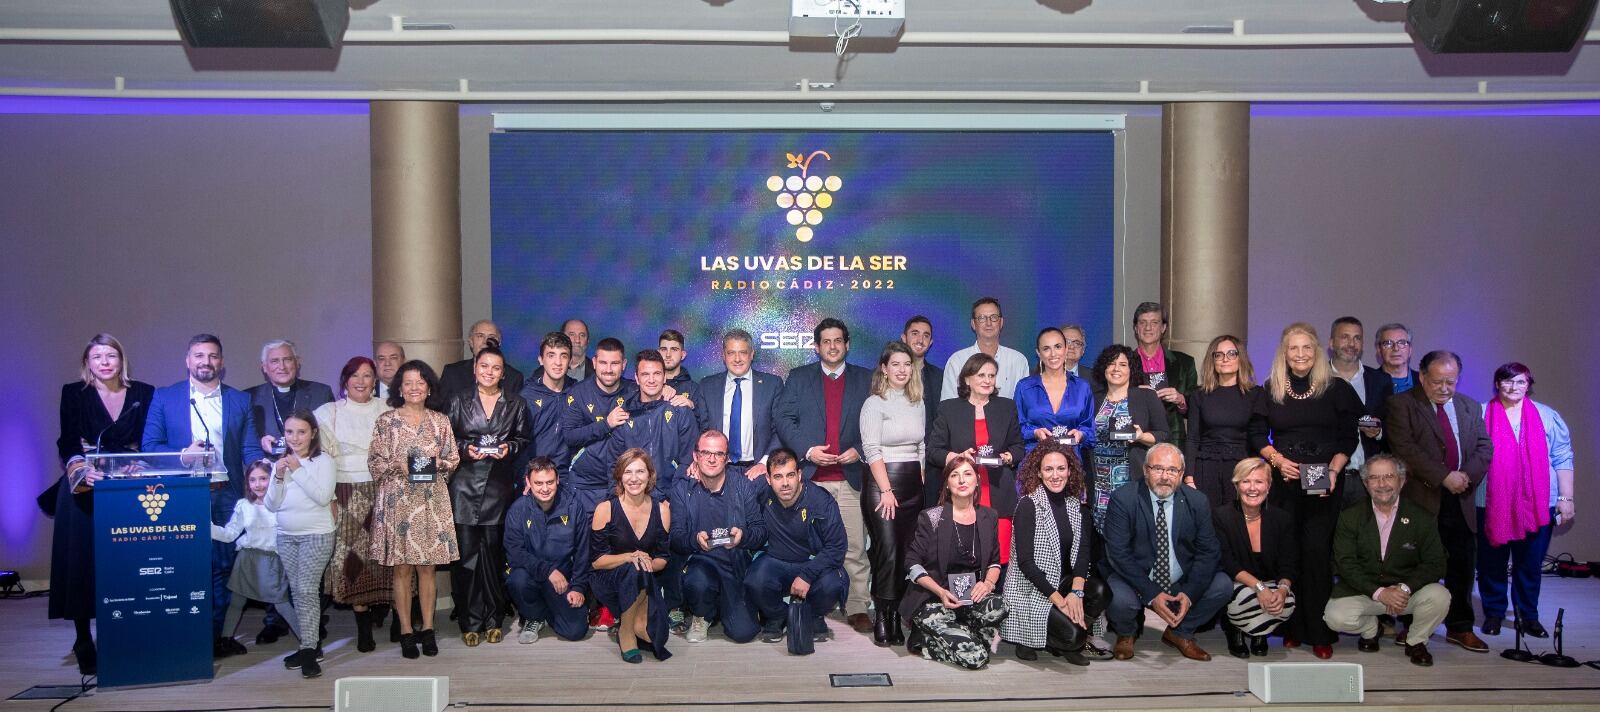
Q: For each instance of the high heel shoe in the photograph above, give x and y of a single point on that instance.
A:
(408, 646)
(429, 644)
(364, 641)
(880, 625)
(1237, 647)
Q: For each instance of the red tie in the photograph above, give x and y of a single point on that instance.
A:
(1452, 452)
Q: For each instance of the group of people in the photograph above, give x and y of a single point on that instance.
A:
(1053, 506)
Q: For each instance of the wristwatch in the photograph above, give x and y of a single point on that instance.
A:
(1405, 588)
(1077, 592)
(1565, 499)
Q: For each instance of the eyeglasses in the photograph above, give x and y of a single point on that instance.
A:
(1514, 383)
(1395, 343)
(1220, 355)
(1164, 470)
(987, 318)
(711, 454)
(1074, 343)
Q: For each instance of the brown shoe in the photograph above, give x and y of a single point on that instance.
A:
(1419, 655)
(860, 622)
(1123, 649)
(1187, 646)
(1466, 639)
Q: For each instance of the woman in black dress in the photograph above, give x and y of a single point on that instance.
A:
(108, 409)
(1307, 417)
(1219, 419)
(491, 427)
(628, 548)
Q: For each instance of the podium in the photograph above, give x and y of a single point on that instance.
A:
(152, 545)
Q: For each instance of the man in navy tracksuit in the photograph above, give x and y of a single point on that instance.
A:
(670, 344)
(546, 395)
(804, 557)
(716, 525)
(653, 424)
(594, 408)
(546, 541)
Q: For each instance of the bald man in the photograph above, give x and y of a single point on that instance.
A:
(457, 377)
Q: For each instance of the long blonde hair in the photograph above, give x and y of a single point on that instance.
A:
(880, 380)
(1210, 380)
(1321, 372)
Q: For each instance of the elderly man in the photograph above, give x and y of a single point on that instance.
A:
(1389, 559)
(458, 377)
(388, 356)
(1441, 438)
(283, 393)
(577, 331)
(1393, 341)
(1163, 556)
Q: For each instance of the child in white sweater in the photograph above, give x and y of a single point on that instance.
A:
(298, 493)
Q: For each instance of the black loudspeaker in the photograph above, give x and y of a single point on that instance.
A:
(262, 23)
(1451, 26)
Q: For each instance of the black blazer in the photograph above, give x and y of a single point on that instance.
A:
(934, 548)
(798, 413)
(763, 388)
(1150, 414)
(932, 391)
(1378, 386)
(457, 378)
(952, 432)
(1280, 551)
(309, 395)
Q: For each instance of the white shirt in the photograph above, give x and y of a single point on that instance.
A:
(1358, 382)
(210, 406)
(301, 499)
(344, 428)
(747, 415)
(1013, 368)
(252, 526)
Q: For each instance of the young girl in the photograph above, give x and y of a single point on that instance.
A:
(299, 491)
(257, 574)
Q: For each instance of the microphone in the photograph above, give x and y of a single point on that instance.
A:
(196, 407)
(1518, 653)
(1557, 658)
(113, 424)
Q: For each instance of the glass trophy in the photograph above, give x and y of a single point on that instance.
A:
(489, 445)
(421, 468)
(961, 586)
(1063, 435)
(1122, 431)
(1314, 478)
(1368, 421)
(280, 447)
(986, 456)
(721, 536)
(1158, 380)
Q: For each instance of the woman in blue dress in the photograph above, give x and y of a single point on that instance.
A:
(628, 548)
(1055, 397)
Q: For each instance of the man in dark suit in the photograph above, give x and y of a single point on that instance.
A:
(1442, 440)
(1372, 386)
(1162, 554)
(1389, 560)
(1171, 374)
(458, 377)
(738, 401)
(918, 334)
(283, 393)
(199, 414)
(818, 414)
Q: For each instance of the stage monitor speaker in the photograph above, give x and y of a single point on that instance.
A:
(1451, 26)
(1307, 682)
(262, 23)
(391, 694)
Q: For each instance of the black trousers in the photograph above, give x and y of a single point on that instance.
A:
(478, 579)
(1061, 634)
(1315, 519)
(1460, 549)
(888, 539)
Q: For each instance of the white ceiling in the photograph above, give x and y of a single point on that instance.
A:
(698, 70)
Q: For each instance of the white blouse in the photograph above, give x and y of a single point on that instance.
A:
(252, 525)
(345, 430)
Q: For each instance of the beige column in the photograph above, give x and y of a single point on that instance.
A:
(416, 228)
(1205, 221)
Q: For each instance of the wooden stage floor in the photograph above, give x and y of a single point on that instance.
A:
(717, 674)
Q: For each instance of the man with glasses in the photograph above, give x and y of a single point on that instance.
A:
(1163, 556)
(716, 528)
(987, 322)
(1372, 386)
(1394, 355)
(738, 401)
(1389, 559)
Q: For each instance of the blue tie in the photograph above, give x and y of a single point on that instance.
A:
(735, 426)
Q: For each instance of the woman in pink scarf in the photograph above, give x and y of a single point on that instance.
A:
(1527, 493)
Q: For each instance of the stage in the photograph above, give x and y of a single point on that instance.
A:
(716, 673)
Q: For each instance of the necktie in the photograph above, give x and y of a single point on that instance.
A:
(736, 422)
(1452, 452)
(833, 376)
(1163, 570)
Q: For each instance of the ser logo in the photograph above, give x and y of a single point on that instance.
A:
(804, 195)
(788, 340)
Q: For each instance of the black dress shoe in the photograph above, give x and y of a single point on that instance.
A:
(1533, 629)
(1258, 645)
(1075, 657)
(880, 627)
(1491, 626)
(224, 647)
(1419, 655)
(1026, 653)
(1368, 645)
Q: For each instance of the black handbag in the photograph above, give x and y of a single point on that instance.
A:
(800, 632)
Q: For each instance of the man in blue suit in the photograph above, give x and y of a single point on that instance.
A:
(197, 414)
(738, 401)
(1162, 554)
(818, 414)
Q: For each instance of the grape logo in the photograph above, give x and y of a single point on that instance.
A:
(153, 501)
(804, 195)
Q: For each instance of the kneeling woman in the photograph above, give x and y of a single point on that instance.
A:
(1257, 548)
(956, 544)
(1048, 589)
(629, 544)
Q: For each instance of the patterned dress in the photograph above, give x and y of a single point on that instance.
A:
(352, 577)
(412, 522)
(1110, 458)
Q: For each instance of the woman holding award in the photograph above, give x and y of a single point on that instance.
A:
(892, 420)
(491, 427)
(412, 455)
(1304, 426)
(981, 426)
(1128, 419)
(103, 408)
(955, 564)
(1055, 404)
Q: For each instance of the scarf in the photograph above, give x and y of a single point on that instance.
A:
(1517, 501)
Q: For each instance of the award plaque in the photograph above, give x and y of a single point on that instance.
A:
(720, 536)
(1123, 432)
(986, 457)
(1063, 435)
(961, 586)
(422, 468)
(1314, 478)
(489, 445)
(1158, 380)
(1368, 421)
(280, 447)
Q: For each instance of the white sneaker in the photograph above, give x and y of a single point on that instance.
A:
(530, 632)
(697, 630)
